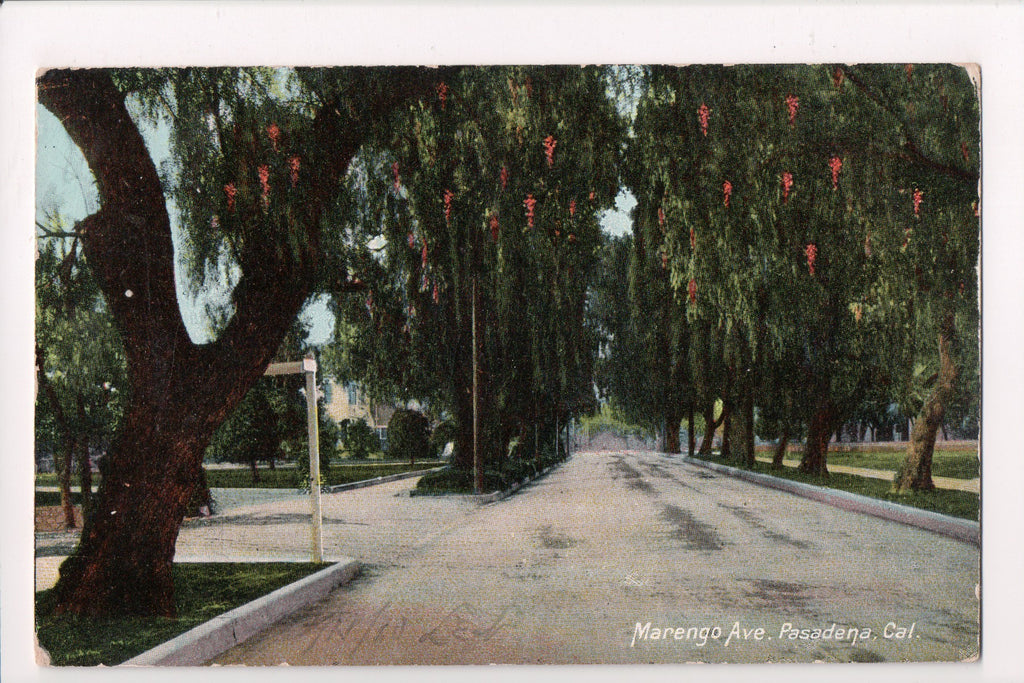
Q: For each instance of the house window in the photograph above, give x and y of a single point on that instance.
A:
(353, 393)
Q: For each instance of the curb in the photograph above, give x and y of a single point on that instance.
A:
(206, 641)
(378, 480)
(485, 498)
(944, 525)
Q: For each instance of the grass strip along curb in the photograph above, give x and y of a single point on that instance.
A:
(378, 480)
(206, 641)
(945, 525)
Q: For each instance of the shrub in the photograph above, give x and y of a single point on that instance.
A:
(360, 440)
(408, 435)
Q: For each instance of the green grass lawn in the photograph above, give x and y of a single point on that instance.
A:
(955, 464)
(202, 591)
(955, 503)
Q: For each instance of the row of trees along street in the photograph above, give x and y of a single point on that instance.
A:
(805, 242)
(804, 247)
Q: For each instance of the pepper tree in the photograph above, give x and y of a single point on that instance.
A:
(260, 164)
(490, 190)
(795, 235)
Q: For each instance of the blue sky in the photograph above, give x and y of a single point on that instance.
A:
(65, 185)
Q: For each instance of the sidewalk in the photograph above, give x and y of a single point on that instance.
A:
(948, 483)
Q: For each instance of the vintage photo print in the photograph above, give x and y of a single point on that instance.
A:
(451, 355)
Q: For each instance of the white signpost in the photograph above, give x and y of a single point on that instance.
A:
(307, 366)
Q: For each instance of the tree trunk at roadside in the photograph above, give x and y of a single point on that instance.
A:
(673, 421)
(740, 431)
(823, 425)
(916, 471)
(726, 451)
(711, 426)
(780, 450)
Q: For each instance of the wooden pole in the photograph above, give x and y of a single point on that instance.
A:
(312, 428)
(307, 366)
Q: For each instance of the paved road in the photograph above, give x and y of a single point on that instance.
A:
(572, 569)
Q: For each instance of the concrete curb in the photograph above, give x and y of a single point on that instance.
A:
(206, 641)
(378, 480)
(485, 498)
(945, 525)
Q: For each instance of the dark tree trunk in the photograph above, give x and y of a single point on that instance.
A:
(916, 471)
(673, 421)
(254, 469)
(691, 437)
(884, 433)
(823, 424)
(780, 449)
(711, 425)
(739, 431)
(726, 452)
(180, 392)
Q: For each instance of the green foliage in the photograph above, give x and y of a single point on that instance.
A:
(610, 419)
(202, 591)
(443, 434)
(250, 434)
(359, 439)
(451, 190)
(408, 435)
(802, 229)
(81, 351)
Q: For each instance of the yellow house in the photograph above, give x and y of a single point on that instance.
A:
(349, 402)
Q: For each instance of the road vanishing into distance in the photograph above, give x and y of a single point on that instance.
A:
(613, 557)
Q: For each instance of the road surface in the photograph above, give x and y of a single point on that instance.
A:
(573, 568)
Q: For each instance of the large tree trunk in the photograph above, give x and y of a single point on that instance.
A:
(179, 392)
(711, 425)
(726, 451)
(673, 421)
(741, 431)
(823, 425)
(916, 471)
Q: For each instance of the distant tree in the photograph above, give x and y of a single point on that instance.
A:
(408, 435)
(79, 364)
(359, 439)
(250, 434)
